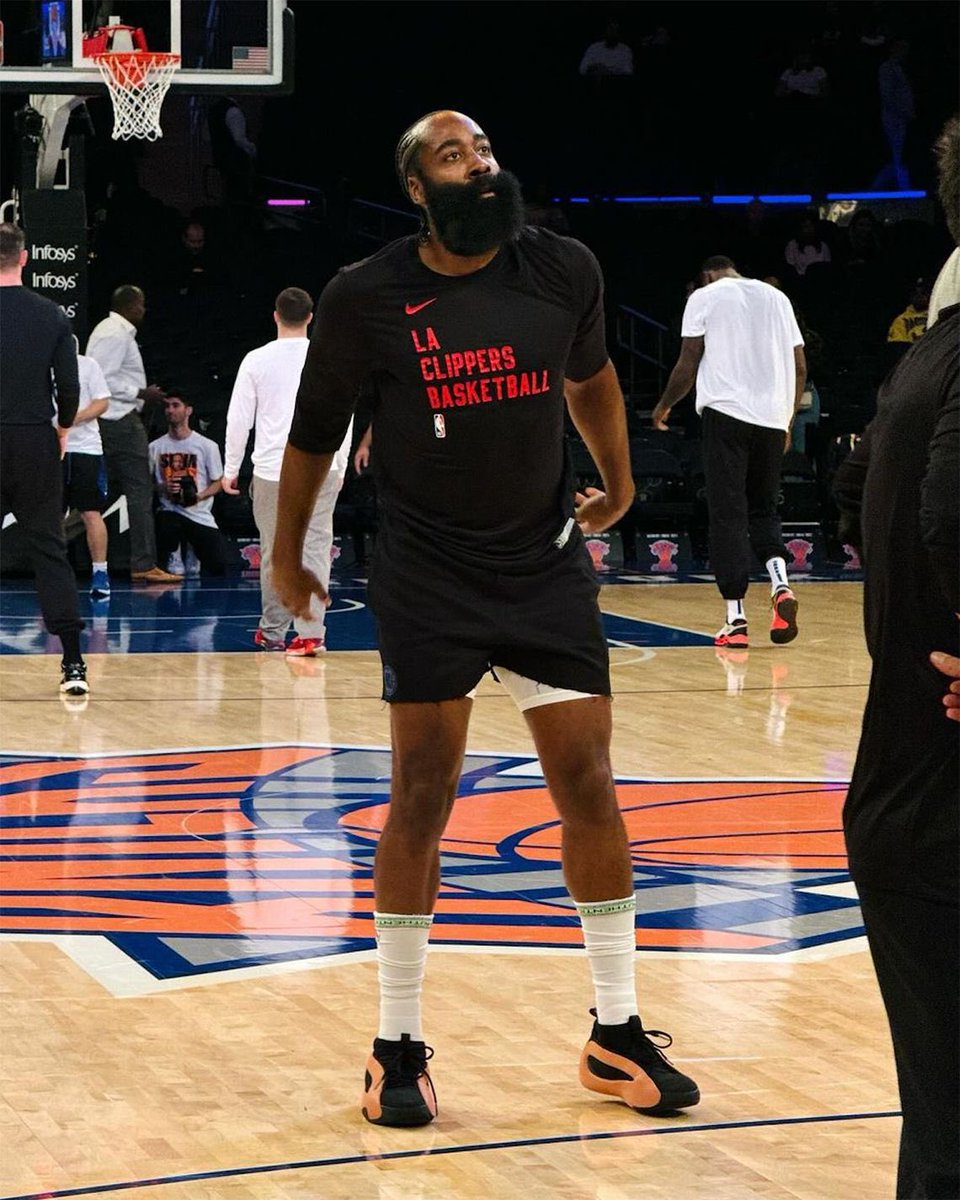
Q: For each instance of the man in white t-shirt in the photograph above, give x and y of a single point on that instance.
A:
(609, 56)
(263, 399)
(85, 472)
(187, 473)
(742, 348)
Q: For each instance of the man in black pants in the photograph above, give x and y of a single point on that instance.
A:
(898, 493)
(743, 349)
(35, 340)
(113, 344)
(473, 333)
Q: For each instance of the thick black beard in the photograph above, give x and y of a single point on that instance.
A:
(469, 223)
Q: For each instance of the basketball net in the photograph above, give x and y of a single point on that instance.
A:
(138, 81)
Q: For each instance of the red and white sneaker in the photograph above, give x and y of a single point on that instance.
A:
(301, 647)
(783, 626)
(262, 642)
(733, 634)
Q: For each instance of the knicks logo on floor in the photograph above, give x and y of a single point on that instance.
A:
(204, 861)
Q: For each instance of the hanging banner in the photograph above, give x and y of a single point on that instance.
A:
(55, 223)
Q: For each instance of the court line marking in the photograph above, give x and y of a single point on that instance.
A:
(432, 1151)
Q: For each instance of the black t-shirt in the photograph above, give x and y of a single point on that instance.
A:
(35, 340)
(901, 814)
(468, 447)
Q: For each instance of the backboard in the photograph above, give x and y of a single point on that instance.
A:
(241, 46)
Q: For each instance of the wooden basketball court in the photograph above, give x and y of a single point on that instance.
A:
(125, 1072)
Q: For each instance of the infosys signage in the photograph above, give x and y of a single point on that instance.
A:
(54, 221)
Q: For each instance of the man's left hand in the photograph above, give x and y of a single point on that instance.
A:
(594, 511)
(62, 435)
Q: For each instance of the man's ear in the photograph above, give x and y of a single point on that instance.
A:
(415, 189)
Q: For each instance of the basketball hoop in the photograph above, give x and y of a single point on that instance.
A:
(138, 81)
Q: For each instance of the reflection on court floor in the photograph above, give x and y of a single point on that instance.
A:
(221, 615)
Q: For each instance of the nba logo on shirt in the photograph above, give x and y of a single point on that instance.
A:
(439, 425)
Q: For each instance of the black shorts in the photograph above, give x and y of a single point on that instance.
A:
(85, 482)
(441, 625)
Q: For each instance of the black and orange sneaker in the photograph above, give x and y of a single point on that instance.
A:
(783, 625)
(734, 634)
(624, 1061)
(397, 1088)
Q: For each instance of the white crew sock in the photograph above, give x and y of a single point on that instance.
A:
(735, 611)
(610, 938)
(401, 964)
(777, 570)
(100, 567)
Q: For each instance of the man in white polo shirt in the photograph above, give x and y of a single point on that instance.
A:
(263, 399)
(743, 350)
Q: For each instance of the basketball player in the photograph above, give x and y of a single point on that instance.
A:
(475, 330)
(742, 348)
(38, 363)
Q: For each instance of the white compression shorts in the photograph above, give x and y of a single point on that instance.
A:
(527, 693)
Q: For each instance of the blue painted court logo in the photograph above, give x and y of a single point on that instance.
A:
(203, 861)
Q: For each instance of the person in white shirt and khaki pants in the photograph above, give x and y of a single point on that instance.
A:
(263, 399)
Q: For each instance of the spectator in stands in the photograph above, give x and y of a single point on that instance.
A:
(609, 56)
(801, 91)
(807, 246)
(85, 471)
(803, 79)
(898, 491)
(607, 138)
(863, 243)
(113, 344)
(744, 351)
(896, 114)
(234, 152)
(263, 399)
(188, 472)
(908, 326)
(192, 264)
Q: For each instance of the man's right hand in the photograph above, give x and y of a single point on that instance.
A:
(295, 587)
(230, 485)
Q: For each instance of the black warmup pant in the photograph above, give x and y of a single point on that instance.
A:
(173, 530)
(31, 487)
(915, 946)
(128, 469)
(741, 465)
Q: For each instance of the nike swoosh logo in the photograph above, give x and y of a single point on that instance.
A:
(410, 309)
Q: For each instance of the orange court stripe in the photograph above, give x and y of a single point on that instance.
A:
(97, 850)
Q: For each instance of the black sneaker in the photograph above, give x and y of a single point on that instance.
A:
(73, 679)
(397, 1089)
(624, 1061)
